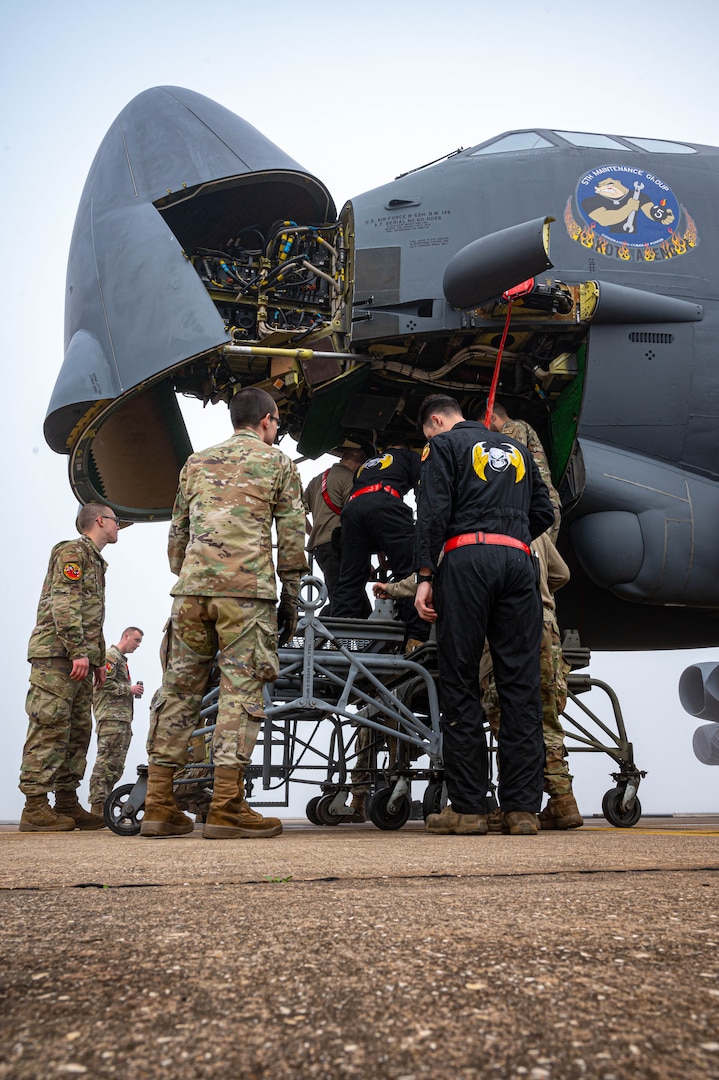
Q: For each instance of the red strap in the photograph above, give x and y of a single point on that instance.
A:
(375, 487)
(484, 538)
(326, 495)
(498, 363)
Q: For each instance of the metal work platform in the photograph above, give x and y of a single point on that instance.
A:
(349, 712)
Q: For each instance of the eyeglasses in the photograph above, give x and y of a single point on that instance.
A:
(275, 418)
(109, 517)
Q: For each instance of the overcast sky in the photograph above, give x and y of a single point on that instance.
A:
(357, 93)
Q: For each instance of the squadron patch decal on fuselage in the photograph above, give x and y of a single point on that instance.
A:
(627, 213)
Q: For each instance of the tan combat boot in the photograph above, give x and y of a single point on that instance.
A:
(162, 817)
(521, 823)
(561, 812)
(451, 822)
(357, 808)
(98, 808)
(230, 817)
(66, 803)
(39, 816)
(495, 821)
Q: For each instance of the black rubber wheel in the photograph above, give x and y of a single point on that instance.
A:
(432, 799)
(311, 810)
(381, 816)
(322, 811)
(613, 812)
(116, 813)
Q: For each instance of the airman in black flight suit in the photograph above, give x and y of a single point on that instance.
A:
(375, 519)
(481, 502)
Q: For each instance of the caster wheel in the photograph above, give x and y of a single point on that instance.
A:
(382, 817)
(311, 810)
(119, 813)
(323, 814)
(432, 799)
(613, 812)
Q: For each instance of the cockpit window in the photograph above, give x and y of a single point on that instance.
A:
(516, 140)
(661, 146)
(584, 138)
(532, 140)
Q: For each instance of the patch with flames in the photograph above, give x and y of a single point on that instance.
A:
(628, 214)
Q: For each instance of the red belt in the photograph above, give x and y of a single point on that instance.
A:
(484, 538)
(375, 487)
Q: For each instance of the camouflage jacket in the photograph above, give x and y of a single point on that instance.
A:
(220, 541)
(113, 700)
(525, 433)
(71, 611)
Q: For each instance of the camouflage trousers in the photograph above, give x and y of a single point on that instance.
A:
(367, 745)
(239, 634)
(59, 713)
(113, 742)
(553, 670)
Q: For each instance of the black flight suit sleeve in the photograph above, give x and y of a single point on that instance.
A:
(434, 503)
(415, 465)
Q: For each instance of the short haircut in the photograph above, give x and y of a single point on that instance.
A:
(438, 403)
(353, 453)
(87, 514)
(500, 410)
(132, 629)
(248, 406)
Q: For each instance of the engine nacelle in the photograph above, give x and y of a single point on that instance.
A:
(699, 691)
(706, 744)
(699, 695)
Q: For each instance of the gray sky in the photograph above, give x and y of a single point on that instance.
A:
(357, 94)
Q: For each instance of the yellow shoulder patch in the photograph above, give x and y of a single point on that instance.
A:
(72, 571)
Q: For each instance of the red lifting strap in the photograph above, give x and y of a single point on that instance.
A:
(326, 496)
(484, 538)
(498, 362)
(375, 487)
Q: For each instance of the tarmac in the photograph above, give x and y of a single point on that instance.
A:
(352, 952)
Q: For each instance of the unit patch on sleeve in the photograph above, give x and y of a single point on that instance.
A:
(72, 571)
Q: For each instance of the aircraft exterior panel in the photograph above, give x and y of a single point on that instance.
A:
(140, 305)
(647, 530)
(195, 232)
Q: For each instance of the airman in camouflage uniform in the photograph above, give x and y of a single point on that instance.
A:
(220, 545)
(66, 653)
(561, 811)
(324, 497)
(112, 704)
(525, 433)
